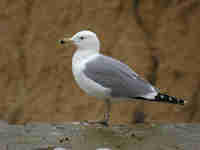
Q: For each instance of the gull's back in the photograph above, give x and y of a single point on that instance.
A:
(122, 81)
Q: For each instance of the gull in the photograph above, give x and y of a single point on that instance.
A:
(109, 79)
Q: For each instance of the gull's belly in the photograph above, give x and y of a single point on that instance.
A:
(89, 86)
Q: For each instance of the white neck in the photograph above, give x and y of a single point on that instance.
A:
(82, 55)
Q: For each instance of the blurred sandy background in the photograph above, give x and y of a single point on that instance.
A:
(160, 39)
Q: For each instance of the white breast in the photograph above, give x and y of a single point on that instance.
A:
(79, 60)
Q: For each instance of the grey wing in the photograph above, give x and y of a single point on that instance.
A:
(117, 76)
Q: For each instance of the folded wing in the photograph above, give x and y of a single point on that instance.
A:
(122, 80)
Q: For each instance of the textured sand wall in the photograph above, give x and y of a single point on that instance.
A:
(159, 39)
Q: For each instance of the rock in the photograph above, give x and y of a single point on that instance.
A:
(38, 136)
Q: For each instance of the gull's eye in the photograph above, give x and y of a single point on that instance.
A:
(81, 37)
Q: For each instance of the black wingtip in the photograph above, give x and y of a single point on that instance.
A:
(169, 99)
